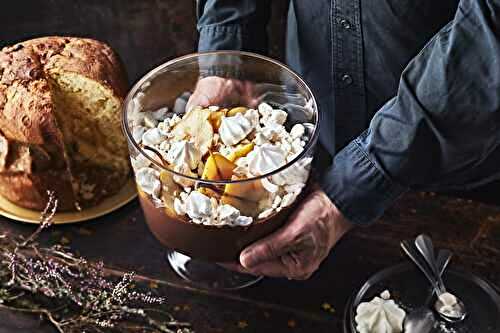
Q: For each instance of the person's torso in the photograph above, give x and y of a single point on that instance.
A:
(352, 53)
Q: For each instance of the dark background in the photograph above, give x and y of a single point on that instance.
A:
(145, 33)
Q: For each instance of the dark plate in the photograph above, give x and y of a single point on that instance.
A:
(410, 289)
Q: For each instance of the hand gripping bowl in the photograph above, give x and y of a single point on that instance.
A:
(170, 86)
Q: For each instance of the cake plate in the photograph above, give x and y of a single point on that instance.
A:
(108, 205)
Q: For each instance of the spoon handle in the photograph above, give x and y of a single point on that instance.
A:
(413, 254)
(443, 259)
(426, 248)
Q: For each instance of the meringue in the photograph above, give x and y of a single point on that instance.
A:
(380, 315)
(278, 117)
(243, 221)
(227, 214)
(183, 153)
(184, 170)
(295, 174)
(234, 129)
(138, 132)
(140, 162)
(152, 137)
(149, 181)
(297, 131)
(198, 206)
(266, 158)
(265, 110)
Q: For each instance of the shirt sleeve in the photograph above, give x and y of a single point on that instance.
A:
(233, 25)
(442, 129)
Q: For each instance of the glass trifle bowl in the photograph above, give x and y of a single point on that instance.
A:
(221, 145)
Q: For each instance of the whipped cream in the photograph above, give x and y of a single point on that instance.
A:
(266, 158)
(183, 153)
(380, 315)
(149, 181)
(234, 129)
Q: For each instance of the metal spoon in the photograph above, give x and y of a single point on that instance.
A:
(458, 311)
(422, 319)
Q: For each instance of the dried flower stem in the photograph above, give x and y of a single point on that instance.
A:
(73, 294)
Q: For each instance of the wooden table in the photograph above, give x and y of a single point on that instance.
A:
(122, 241)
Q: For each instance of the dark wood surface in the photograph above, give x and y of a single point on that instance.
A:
(121, 240)
(147, 32)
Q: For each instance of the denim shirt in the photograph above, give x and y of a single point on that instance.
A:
(409, 90)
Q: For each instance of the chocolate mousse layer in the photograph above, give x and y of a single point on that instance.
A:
(205, 242)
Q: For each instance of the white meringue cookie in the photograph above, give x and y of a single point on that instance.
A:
(243, 221)
(139, 162)
(379, 316)
(234, 129)
(265, 110)
(184, 170)
(260, 139)
(152, 137)
(198, 206)
(278, 117)
(148, 180)
(266, 213)
(273, 131)
(138, 132)
(269, 186)
(297, 131)
(160, 114)
(288, 199)
(183, 153)
(179, 207)
(253, 116)
(266, 158)
(227, 214)
(296, 173)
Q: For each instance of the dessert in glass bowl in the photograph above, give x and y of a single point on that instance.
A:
(214, 178)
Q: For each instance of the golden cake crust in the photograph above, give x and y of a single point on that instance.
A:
(32, 154)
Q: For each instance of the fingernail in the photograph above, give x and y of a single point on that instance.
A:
(247, 260)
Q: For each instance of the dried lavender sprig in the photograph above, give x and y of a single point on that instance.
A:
(85, 298)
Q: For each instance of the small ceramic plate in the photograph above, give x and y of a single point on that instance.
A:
(126, 194)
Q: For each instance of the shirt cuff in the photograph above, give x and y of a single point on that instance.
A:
(220, 37)
(358, 186)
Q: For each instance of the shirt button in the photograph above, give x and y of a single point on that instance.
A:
(346, 79)
(345, 24)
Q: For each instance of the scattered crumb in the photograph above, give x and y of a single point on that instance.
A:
(84, 232)
(186, 307)
(242, 324)
(153, 285)
(292, 323)
(177, 308)
(65, 240)
(326, 306)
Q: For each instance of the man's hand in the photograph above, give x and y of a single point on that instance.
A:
(214, 90)
(297, 249)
